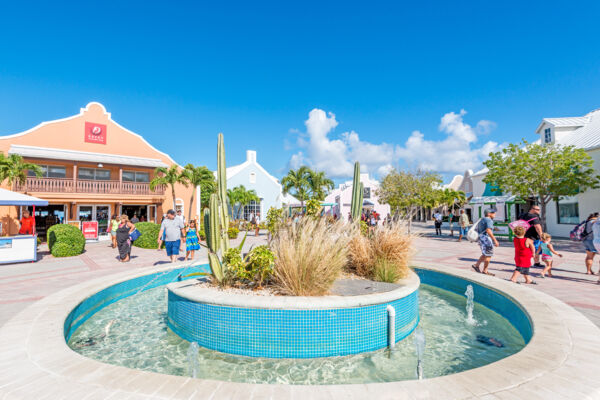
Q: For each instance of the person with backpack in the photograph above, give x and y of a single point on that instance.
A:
(535, 230)
(487, 241)
(588, 242)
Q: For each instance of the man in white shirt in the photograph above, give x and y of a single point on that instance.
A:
(180, 217)
(437, 221)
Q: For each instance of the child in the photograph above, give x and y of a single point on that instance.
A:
(191, 240)
(524, 250)
(546, 250)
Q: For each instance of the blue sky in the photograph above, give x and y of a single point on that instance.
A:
(180, 73)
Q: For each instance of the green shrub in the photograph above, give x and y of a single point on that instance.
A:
(235, 268)
(232, 232)
(260, 264)
(149, 231)
(364, 228)
(313, 208)
(201, 234)
(275, 218)
(262, 225)
(386, 271)
(65, 240)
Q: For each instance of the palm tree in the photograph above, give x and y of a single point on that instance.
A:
(13, 169)
(297, 183)
(244, 197)
(170, 176)
(199, 176)
(319, 184)
(233, 195)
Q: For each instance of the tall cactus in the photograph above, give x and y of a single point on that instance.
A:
(222, 191)
(357, 194)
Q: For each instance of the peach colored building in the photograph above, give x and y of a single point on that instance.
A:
(93, 168)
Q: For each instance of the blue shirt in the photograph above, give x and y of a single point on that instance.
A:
(484, 224)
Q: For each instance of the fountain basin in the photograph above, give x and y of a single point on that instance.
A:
(291, 326)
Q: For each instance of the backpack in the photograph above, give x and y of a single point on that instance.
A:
(578, 233)
(521, 222)
(472, 234)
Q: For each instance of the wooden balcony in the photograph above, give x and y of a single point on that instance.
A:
(62, 185)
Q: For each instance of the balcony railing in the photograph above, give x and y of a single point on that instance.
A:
(63, 185)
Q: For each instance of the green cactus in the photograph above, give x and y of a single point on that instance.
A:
(357, 194)
(222, 191)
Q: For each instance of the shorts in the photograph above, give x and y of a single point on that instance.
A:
(537, 244)
(522, 270)
(589, 245)
(463, 231)
(486, 245)
(113, 233)
(173, 247)
(546, 257)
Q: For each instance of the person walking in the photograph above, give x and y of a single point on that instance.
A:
(256, 224)
(535, 230)
(181, 217)
(192, 241)
(124, 229)
(463, 224)
(588, 242)
(113, 226)
(547, 250)
(173, 230)
(437, 222)
(451, 223)
(487, 241)
(523, 253)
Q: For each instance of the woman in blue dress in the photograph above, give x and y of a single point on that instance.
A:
(191, 240)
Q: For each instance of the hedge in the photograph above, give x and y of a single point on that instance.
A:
(149, 231)
(65, 240)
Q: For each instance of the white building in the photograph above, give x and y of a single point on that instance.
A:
(342, 198)
(253, 176)
(582, 132)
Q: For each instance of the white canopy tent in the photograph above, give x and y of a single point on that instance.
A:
(10, 198)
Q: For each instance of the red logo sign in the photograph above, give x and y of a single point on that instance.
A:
(95, 133)
(89, 229)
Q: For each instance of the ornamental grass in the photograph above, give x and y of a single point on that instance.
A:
(310, 255)
(384, 254)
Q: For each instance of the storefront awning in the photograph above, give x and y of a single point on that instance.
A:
(492, 199)
(70, 155)
(10, 198)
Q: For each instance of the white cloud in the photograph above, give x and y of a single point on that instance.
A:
(336, 156)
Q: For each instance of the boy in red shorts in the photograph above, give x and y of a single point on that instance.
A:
(524, 250)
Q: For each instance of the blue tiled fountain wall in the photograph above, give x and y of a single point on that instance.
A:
(483, 295)
(292, 333)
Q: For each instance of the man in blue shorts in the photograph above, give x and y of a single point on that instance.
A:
(487, 241)
(173, 230)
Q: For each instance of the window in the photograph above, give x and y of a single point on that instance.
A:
(51, 171)
(253, 208)
(93, 174)
(547, 135)
(366, 193)
(252, 177)
(567, 210)
(179, 206)
(136, 176)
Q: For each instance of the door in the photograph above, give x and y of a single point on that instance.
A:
(102, 216)
(152, 213)
(85, 213)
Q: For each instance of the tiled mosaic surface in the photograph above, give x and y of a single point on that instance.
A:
(290, 333)
(490, 298)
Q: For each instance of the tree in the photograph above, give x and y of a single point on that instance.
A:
(202, 177)
(168, 177)
(14, 170)
(451, 198)
(545, 172)
(241, 196)
(297, 183)
(406, 191)
(319, 185)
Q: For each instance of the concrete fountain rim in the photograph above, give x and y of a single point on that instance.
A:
(565, 346)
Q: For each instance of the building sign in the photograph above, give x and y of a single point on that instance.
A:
(95, 133)
(367, 193)
(89, 229)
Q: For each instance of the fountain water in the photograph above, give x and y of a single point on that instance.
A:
(470, 304)
(193, 362)
(420, 347)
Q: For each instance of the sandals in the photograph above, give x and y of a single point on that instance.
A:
(531, 283)
(476, 268)
(489, 273)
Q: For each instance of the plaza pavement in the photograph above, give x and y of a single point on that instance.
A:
(22, 284)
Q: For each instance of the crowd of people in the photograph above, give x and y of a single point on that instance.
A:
(533, 247)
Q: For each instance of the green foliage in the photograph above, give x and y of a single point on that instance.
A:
(233, 232)
(364, 228)
(65, 240)
(385, 271)
(357, 194)
(543, 171)
(149, 231)
(449, 197)
(319, 185)
(297, 183)
(201, 234)
(14, 170)
(168, 177)
(260, 264)
(313, 208)
(275, 217)
(239, 196)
